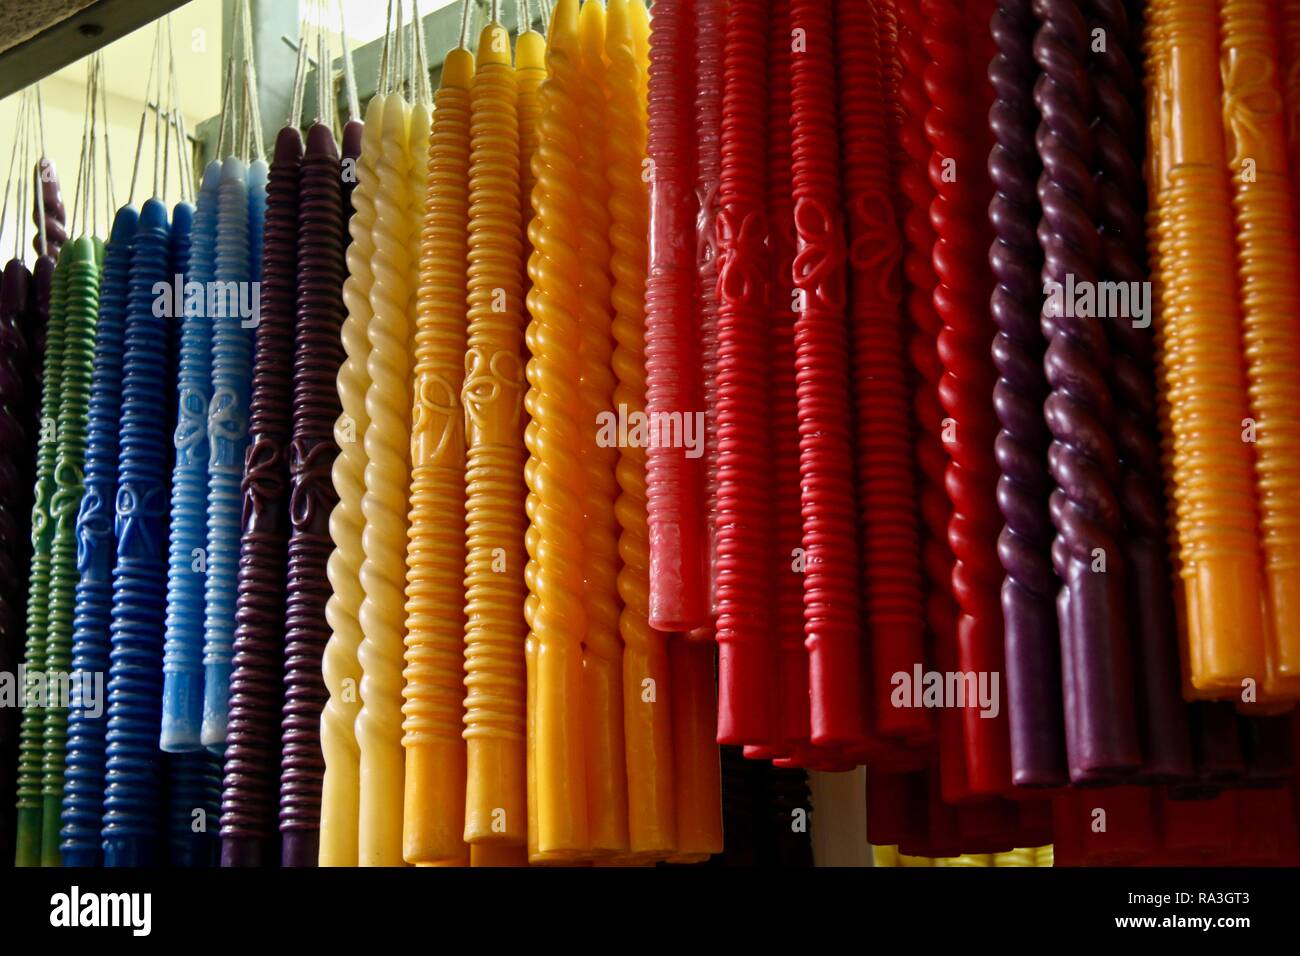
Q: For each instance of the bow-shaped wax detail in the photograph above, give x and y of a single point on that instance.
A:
(139, 520)
(820, 260)
(436, 422)
(67, 494)
(192, 425)
(227, 428)
(313, 496)
(94, 528)
(486, 381)
(877, 247)
(263, 478)
(740, 248)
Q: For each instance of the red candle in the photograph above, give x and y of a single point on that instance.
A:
(830, 535)
(675, 479)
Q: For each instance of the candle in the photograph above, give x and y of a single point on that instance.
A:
(387, 481)
(746, 641)
(958, 213)
(83, 796)
(435, 643)
(647, 711)
(1166, 746)
(495, 799)
(182, 715)
(696, 773)
(342, 672)
(1204, 368)
(133, 792)
(675, 483)
(1267, 265)
(318, 353)
(1030, 586)
(554, 437)
(931, 451)
(886, 484)
(602, 678)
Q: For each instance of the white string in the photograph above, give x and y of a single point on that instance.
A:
(349, 75)
(464, 24)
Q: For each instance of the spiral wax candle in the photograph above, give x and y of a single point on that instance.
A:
(342, 672)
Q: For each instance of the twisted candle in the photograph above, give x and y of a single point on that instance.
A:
(602, 672)
(554, 435)
(435, 643)
(958, 214)
(342, 672)
(1029, 589)
(1162, 715)
(647, 723)
(46, 178)
(387, 480)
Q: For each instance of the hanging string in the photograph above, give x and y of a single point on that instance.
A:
(158, 119)
(40, 186)
(349, 75)
(496, 11)
(464, 24)
(399, 59)
(14, 166)
(81, 164)
(227, 93)
(382, 83)
(21, 147)
(299, 91)
(324, 71)
(188, 192)
(250, 80)
(421, 57)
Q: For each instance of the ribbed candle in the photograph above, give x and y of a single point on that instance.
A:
(675, 483)
(232, 356)
(1268, 263)
(742, 586)
(83, 795)
(342, 673)
(251, 771)
(1203, 365)
(187, 563)
(831, 565)
(133, 798)
(495, 797)
(434, 812)
(74, 403)
(317, 355)
(891, 562)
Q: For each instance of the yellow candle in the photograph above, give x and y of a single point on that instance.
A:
(698, 775)
(603, 652)
(555, 475)
(1267, 264)
(434, 813)
(342, 673)
(387, 477)
(647, 710)
(496, 797)
(1203, 365)
(530, 71)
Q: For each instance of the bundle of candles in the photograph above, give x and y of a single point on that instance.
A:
(814, 378)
